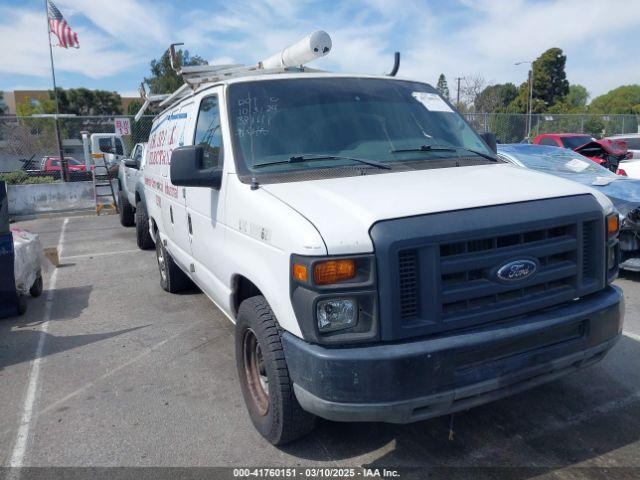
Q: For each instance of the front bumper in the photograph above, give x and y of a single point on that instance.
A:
(415, 380)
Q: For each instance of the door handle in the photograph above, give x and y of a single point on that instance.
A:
(189, 223)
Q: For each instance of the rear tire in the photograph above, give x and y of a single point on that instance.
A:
(143, 235)
(172, 278)
(264, 377)
(127, 218)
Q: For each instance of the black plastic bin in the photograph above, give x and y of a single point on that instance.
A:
(9, 302)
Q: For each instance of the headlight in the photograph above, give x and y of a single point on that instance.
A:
(335, 298)
(336, 314)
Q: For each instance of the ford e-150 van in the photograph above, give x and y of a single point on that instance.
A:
(379, 262)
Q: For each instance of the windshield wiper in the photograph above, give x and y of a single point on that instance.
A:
(316, 158)
(443, 148)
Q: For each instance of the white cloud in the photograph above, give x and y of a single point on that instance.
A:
(28, 53)
(458, 38)
(134, 22)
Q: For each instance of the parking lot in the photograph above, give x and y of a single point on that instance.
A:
(129, 375)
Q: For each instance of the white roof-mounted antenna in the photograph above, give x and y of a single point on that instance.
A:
(311, 47)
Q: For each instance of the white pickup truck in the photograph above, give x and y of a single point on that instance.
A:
(131, 204)
(378, 261)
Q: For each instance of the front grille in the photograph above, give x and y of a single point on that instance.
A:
(438, 272)
(467, 266)
(468, 287)
(408, 270)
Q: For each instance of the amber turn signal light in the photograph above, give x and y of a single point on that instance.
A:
(334, 271)
(613, 224)
(300, 272)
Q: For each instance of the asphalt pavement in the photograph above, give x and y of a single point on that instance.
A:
(107, 369)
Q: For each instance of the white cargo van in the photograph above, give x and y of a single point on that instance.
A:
(378, 261)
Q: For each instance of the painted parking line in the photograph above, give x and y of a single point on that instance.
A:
(100, 254)
(22, 437)
(632, 335)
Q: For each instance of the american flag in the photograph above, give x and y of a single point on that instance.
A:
(58, 26)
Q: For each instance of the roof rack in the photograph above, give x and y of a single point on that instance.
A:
(294, 57)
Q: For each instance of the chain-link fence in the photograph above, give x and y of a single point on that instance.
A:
(29, 147)
(512, 128)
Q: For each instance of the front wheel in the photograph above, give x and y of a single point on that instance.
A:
(172, 279)
(264, 377)
(143, 235)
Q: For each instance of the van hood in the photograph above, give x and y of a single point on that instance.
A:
(344, 209)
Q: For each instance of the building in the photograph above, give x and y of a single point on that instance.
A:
(16, 97)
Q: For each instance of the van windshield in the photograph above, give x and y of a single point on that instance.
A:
(289, 125)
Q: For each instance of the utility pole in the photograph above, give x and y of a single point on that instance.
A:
(530, 96)
(458, 92)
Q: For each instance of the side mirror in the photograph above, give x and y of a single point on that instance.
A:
(490, 139)
(131, 163)
(187, 171)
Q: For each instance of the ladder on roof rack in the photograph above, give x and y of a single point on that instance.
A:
(102, 186)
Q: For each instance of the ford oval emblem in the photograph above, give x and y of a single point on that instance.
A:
(516, 270)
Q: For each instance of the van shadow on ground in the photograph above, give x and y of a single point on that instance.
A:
(19, 336)
(576, 419)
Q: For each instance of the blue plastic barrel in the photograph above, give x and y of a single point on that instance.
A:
(8, 294)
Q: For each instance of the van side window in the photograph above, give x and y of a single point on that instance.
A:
(208, 132)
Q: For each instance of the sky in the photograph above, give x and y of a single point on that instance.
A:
(460, 38)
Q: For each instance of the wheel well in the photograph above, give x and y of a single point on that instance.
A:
(243, 288)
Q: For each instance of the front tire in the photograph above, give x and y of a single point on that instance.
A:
(264, 377)
(172, 279)
(127, 218)
(143, 235)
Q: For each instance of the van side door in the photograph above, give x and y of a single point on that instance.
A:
(205, 205)
(177, 127)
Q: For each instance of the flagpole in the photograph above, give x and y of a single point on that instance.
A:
(64, 169)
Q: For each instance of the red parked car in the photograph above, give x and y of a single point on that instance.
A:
(52, 164)
(604, 152)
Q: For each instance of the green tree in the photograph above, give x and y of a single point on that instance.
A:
(496, 98)
(30, 106)
(549, 78)
(520, 104)
(442, 86)
(550, 84)
(82, 101)
(164, 79)
(577, 97)
(30, 136)
(625, 99)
